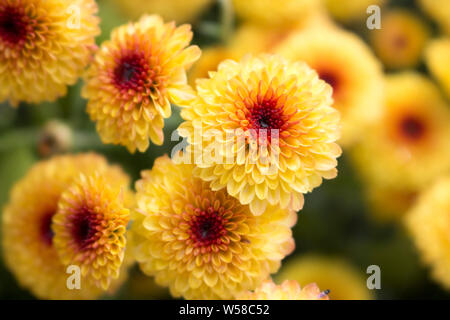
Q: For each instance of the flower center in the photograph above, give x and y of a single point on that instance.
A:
(332, 79)
(266, 115)
(14, 25)
(207, 227)
(412, 128)
(46, 229)
(84, 228)
(132, 72)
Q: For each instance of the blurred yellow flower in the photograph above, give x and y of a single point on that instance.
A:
(274, 14)
(389, 204)
(44, 47)
(204, 244)
(410, 146)
(429, 224)
(348, 65)
(248, 38)
(351, 10)
(401, 40)
(342, 280)
(437, 58)
(288, 290)
(28, 244)
(257, 97)
(135, 78)
(177, 10)
(439, 10)
(89, 227)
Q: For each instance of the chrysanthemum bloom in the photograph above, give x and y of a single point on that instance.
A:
(351, 10)
(437, 58)
(288, 290)
(342, 280)
(44, 46)
(271, 13)
(135, 78)
(410, 146)
(348, 65)
(258, 97)
(439, 10)
(89, 228)
(177, 10)
(401, 40)
(429, 224)
(204, 244)
(28, 245)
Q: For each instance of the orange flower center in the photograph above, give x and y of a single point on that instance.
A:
(207, 227)
(15, 25)
(84, 228)
(412, 128)
(46, 228)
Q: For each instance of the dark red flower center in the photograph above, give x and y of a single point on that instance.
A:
(332, 79)
(46, 228)
(14, 24)
(266, 115)
(132, 72)
(207, 227)
(412, 127)
(84, 228)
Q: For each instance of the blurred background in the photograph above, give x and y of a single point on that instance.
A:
(343, 228)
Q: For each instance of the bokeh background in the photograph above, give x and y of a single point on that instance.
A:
(337, 222)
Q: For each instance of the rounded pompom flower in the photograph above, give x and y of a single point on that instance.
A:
(204, 244)
(401, 40)
(44, 47)
(28, 237)
(134, 79)
(341, 280)
(410, 146)
(177, 10)
(346, 63)
(89, 228)
(437, 58)
(288, 290)
(429, 225)
(270, 128)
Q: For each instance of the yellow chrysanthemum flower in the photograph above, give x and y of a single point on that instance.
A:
(348, 65)
(342, 280)
(177, 10)
(281, 114)
(429, 224)
(44, 46)
(437, 58)
(288, 290)
(28, 244)
(135, 78)
(351, 10)
(410, 146)
(272, 13)
(204, 244)
(401, 40)
(439, 10)
(89, 228)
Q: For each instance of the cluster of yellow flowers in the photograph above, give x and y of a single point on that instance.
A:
(264, 117)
